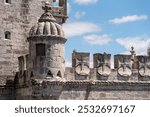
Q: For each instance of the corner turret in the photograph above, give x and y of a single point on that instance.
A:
(46, 47)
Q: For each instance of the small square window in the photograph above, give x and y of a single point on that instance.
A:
(7, 35)
(8, 1)
(40, 49)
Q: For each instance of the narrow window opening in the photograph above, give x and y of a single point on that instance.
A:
(59, 11)
(40, 50)
(8, 1)
(31, 75)
(7, 35)
(59, 74)
(21, 63)
(49, 74)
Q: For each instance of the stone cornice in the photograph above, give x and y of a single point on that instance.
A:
(50, 37)
(96, 82)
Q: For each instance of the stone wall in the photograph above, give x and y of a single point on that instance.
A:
(105, 95)
(12, 20)
(123, 82)
(17, 18)
(85, 90)
(104, 92)
(6, 94)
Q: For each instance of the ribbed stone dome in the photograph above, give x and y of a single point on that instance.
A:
(47, 29)
(47, 25)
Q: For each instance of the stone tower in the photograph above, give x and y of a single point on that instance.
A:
(17, 18)
(46, 47)
(42, 73)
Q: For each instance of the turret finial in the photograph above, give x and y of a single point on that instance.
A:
(47, 16)
(47, 7)
(132, 51)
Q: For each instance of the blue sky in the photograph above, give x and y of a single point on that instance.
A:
(110, 26)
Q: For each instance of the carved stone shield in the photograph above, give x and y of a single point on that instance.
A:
(125, 71)
(144, 71)
(102, 63)
(82, 69)
(144, 66)
(104, 70)
(124, 65)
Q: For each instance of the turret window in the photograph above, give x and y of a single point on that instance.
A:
(7, 35)
(40, 49)
(8, 1)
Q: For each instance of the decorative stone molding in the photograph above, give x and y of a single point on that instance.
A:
(47, 25)
(82, 69)
(144, 66)
(80, 61)
(45, 89)
(102, 64)
(124, 65)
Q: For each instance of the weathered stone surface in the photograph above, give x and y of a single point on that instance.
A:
(17, 18)
(41, 72)
(101, 62)
(80, 62)
(144, 66)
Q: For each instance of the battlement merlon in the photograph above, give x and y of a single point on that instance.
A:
(101, 71)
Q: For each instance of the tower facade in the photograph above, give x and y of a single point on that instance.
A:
(42, 73)
(17, 18)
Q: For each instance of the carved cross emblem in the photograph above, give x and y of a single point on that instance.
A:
(82, 67)
(47, 7)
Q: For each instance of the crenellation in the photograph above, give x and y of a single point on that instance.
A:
(33, 63)
(122, 72)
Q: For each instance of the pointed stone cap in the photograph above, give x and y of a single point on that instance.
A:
(47, 25)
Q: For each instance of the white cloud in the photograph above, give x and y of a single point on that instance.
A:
(78, 14)
(126, 19)
(97, 39)
(139, 43)
(85, 2)
(80, 28)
